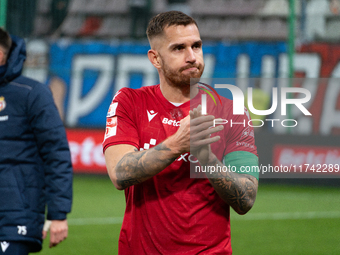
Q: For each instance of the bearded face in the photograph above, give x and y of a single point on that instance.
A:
(178, 55)
(180, 77)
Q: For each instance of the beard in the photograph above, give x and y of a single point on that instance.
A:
(179, 79)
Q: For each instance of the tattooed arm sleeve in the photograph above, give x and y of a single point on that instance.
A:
(137, 166)
(237, 190)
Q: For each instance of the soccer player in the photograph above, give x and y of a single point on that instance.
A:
(35, 161)
(151, 140)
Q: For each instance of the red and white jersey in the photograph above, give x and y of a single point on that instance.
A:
(172, 213)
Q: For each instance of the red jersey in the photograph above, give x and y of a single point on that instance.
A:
(172, 213)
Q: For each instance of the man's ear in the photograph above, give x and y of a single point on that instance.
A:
(154, 58)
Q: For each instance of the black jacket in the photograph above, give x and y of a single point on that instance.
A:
(35, 162)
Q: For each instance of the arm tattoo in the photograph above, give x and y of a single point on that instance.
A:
(238, 190)
(136, 167)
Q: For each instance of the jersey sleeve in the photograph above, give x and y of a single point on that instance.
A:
(240, 135)
(241, 152)
(121, 126)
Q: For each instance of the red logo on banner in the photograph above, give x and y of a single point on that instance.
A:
(307, 157)
(86, 150)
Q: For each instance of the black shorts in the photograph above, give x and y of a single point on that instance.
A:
(14, 248)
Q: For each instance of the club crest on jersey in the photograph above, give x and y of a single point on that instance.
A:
(2, 103)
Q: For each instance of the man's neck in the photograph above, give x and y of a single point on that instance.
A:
(178, 94)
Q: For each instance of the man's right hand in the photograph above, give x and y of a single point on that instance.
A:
(58, 231)
(194, 133)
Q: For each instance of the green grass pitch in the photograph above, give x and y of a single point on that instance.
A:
(284, 220)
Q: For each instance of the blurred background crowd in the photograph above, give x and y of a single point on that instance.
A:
(218, 19)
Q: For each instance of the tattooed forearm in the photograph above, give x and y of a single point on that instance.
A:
(238, 190)
(138, 166)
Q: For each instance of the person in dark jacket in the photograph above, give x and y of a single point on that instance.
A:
(35, 162)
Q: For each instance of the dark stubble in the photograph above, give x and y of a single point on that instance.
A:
(176, 78)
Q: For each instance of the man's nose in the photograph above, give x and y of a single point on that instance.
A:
(190, 57)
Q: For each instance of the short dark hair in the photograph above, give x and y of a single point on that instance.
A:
(165, 19)
(5, 40)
